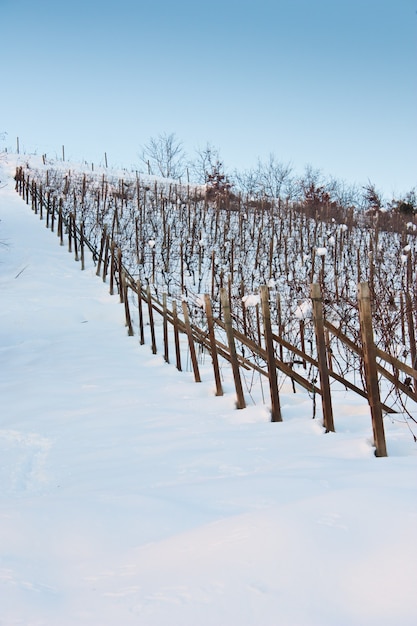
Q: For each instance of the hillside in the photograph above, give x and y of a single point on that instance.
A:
(133, 495)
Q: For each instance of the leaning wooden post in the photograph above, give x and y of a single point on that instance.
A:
(140, 311)
(60, 224)
(40, 203)
(411, 334)
(82, 257)
(106, 258)
(213, 348)
(53, 214)
(326, 399)
(151, 322)
(100, 254)
(371, 375)
(165, 327)
(240, 401)
(176, 336)
(112, 267)
(269, 344)
(70, 232)
(48, 208)
(121, 273)
(191, 345)
(124, 286)
(76, 257)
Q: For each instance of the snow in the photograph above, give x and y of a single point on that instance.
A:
(304, 310)
(251, 300)
(131, 495)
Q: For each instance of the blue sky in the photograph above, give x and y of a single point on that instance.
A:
(321, 82)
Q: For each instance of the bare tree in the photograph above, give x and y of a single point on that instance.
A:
(164, 156)
(372, 197)
(274, 177)
(205, 163)
(247, 181)
(270, 179)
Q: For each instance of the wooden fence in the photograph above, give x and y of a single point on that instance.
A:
(219, 336)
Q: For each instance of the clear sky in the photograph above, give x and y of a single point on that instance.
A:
(322, 82)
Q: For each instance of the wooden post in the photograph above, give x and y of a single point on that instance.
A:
(411, 334)
(269, 345)
(280, 327)
(48, 208)
(213, 272)
(82, 256)
(176, 336)
(302, 341)
(27, 190)
(182, 267)
(76, 257)
(112, 267)
(70, 232)
(371, 374)
(165, 326)
(100, 254)
(141, 331)
(213, 348)
(151, 322)
(240, 401)
(120, 271)
(194, 362)
(60, 224)
(53, 214)
(106, 258)
(40, 202)
(123, 285)
(33, 197)
(322, 357)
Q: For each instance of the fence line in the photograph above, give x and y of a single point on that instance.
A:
(109, 263)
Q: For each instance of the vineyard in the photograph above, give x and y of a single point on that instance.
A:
(276, 288)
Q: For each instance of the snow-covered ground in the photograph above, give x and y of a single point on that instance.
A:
(132, 495)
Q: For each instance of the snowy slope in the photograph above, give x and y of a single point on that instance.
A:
(132, 495)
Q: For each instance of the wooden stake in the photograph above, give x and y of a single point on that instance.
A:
(106, 258)
(124, 287)
(165, 325)
(60, 224)
(371, 375)
(100, 254)
(411, 334)
(213, 348)
(322, 357)
(151, 321)
(269, 345)
(141, 330)
(240, 401)
(176, 336)
(112, 267)
(121, 274)
(191, 345)
(82, 246)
